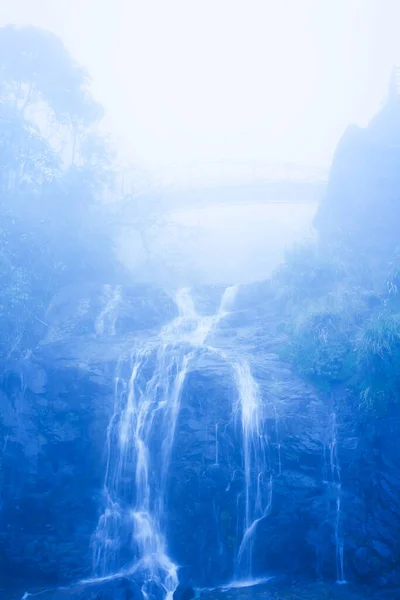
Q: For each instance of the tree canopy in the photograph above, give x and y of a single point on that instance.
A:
(54, 168)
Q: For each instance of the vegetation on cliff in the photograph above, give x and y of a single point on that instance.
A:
(58, 176)
(341, 294)
(341, 328)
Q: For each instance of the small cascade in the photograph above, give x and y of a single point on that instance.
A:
(217, 531)
(130, 536)
(216, 446)
(336, 486)
(278, 443)
(105, 322)
(258, 479)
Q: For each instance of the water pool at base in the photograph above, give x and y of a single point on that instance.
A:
(276, 590)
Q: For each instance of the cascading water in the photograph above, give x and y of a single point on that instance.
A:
(130, 536)
(336, 486)
(216, 446)
(257, 476)
(105, 322)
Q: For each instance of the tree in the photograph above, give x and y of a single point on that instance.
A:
(36, 68)
(54, 166)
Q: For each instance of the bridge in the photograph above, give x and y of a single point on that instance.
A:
(234, 182)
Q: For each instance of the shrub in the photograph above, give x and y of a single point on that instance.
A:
(320, 348)
(307, 274)
(378, 359)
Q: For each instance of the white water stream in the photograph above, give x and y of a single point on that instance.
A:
(258, 483)
(139, 443)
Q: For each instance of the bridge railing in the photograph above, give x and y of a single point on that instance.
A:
(237, 172)
(203, 174)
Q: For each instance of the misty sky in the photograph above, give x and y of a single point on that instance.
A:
(191, 81)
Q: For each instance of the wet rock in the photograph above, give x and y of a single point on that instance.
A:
(53, 429)
(362, 560)
(184, 592)
(360, 208)
(119, 588)
(107, 311)
(382, 549)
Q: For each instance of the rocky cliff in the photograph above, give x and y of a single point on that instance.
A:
(56, 406)
(324, 471)
(361, 208)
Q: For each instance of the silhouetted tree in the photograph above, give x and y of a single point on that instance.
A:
(54, 168)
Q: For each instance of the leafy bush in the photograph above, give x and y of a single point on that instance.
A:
(337, 330)
(378, 359)
(52, 173)
(319, 346)
(308, 273)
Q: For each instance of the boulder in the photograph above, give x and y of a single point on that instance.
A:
(184, 592)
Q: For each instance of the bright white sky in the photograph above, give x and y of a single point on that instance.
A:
(190, 81)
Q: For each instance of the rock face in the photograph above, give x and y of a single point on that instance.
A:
(371, 474)
(206, 497)
(360, 213)
(118, 588)
(55, 408)
(50, 449)
(361, 208)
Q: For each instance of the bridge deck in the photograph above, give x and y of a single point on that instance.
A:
(252, 193)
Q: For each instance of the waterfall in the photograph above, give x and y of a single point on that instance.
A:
(216, 445)
(105, 322)
(130, 536)
(336, 485)
(258, 480)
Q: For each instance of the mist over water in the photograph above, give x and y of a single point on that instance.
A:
(222, 244)
(199, 300)
(244, 243)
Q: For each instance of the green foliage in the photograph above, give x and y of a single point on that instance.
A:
(320, 347)
(339, 332)
(307, 273)
(53, 171)
(378, 355)
(36, 68)
(57, 180)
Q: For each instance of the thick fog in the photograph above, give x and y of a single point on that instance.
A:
(199, 299)
(190, 82)
(223, 92)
